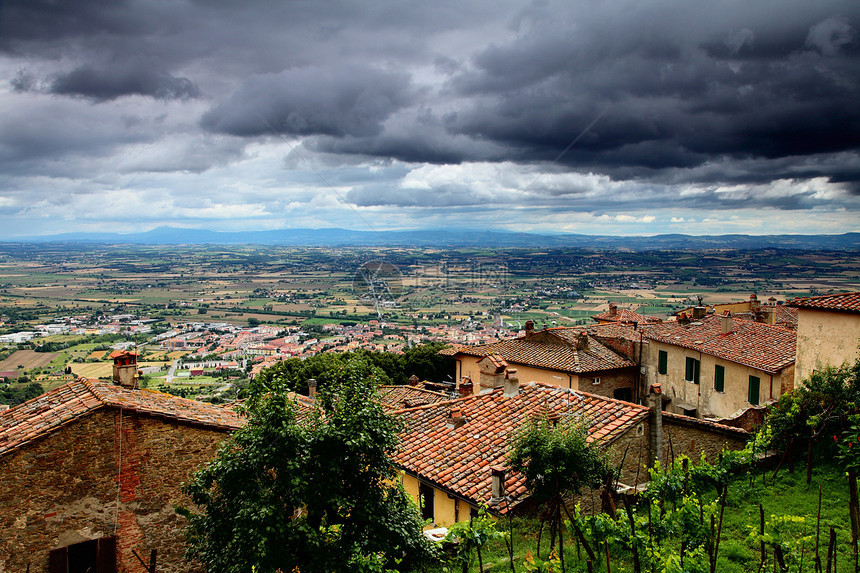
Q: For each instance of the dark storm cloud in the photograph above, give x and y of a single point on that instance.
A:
(737, 104)
(312, 101)
(676, 92)
(105, 85)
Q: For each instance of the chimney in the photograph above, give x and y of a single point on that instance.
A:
(582, 341)
(726, 323)
(699, 312)
(655, 403)
(466, 388)
(455, 418)
(124, 368)
(530, 327)
(498, 483)
(312, 388)
(413, 380)
(754, 302)
(512, 383)
(613, 309)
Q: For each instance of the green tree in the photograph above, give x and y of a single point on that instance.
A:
(326, 368)
(314, 490)
(805, 418)
(15, 396)
(556, 460)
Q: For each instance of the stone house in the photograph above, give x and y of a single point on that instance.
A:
(453, 454)
(565, 357)
(717, 366)
(623, 316)
(828, 332)
(91, 471)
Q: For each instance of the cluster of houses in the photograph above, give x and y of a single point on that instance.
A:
(90, 473)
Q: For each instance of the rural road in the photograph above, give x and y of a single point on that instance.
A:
(172, 372)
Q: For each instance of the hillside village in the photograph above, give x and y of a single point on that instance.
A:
(94, 467)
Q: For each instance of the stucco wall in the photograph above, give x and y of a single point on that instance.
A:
(707, 401)
(446, 510)
(64, 489)
(823, 338)
(609, 381)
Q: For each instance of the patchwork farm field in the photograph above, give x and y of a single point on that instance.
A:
(310, 287)
(26, 359)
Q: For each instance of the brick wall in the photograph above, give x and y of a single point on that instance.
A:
(63, 489)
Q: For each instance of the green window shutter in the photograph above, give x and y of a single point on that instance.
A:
(662, 362)
(719, 378)
(692, 371)
(755, 383)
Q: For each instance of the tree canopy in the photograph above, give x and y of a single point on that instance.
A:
(423, 361)
(313, 489)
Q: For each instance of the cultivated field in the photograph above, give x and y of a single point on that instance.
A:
(26, 359)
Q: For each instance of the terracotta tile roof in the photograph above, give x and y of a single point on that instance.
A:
(785, 316)
(118, 353)
(762, 346)
(626, 316)
(44, 414)
(553, 349)
(459, 459)
(670, 417)
(843, 302)
(617, 330)
(399, 397)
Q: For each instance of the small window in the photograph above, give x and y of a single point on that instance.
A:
(625, 394)
(755, 384)
(94, 556)
(595, 380)
(692, 372)
(662, 362)
(719, 378)
(428, 498)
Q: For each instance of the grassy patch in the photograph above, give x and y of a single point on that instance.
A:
(787, 495)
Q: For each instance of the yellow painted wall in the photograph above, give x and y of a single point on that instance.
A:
(709, 402)
(468, 366)
(823, 338)
(445, 509)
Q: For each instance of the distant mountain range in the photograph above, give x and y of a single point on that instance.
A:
(450, 238)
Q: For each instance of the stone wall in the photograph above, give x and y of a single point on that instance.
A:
(690, 437)
(66, 488)
(609, 382)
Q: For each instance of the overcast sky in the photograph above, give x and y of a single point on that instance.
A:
(610, 117)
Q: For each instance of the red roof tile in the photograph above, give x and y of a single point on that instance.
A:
(762, 346)
(44, 414)
(458, 459)
(399, 397)
(843, 302)
(625, 316)
(553, 349)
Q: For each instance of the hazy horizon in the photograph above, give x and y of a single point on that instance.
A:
(543, 116)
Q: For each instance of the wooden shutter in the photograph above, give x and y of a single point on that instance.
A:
(428, 500)
(58, 562)
(755, 382)
(107, 555)
(719, 378)
(662, 362)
